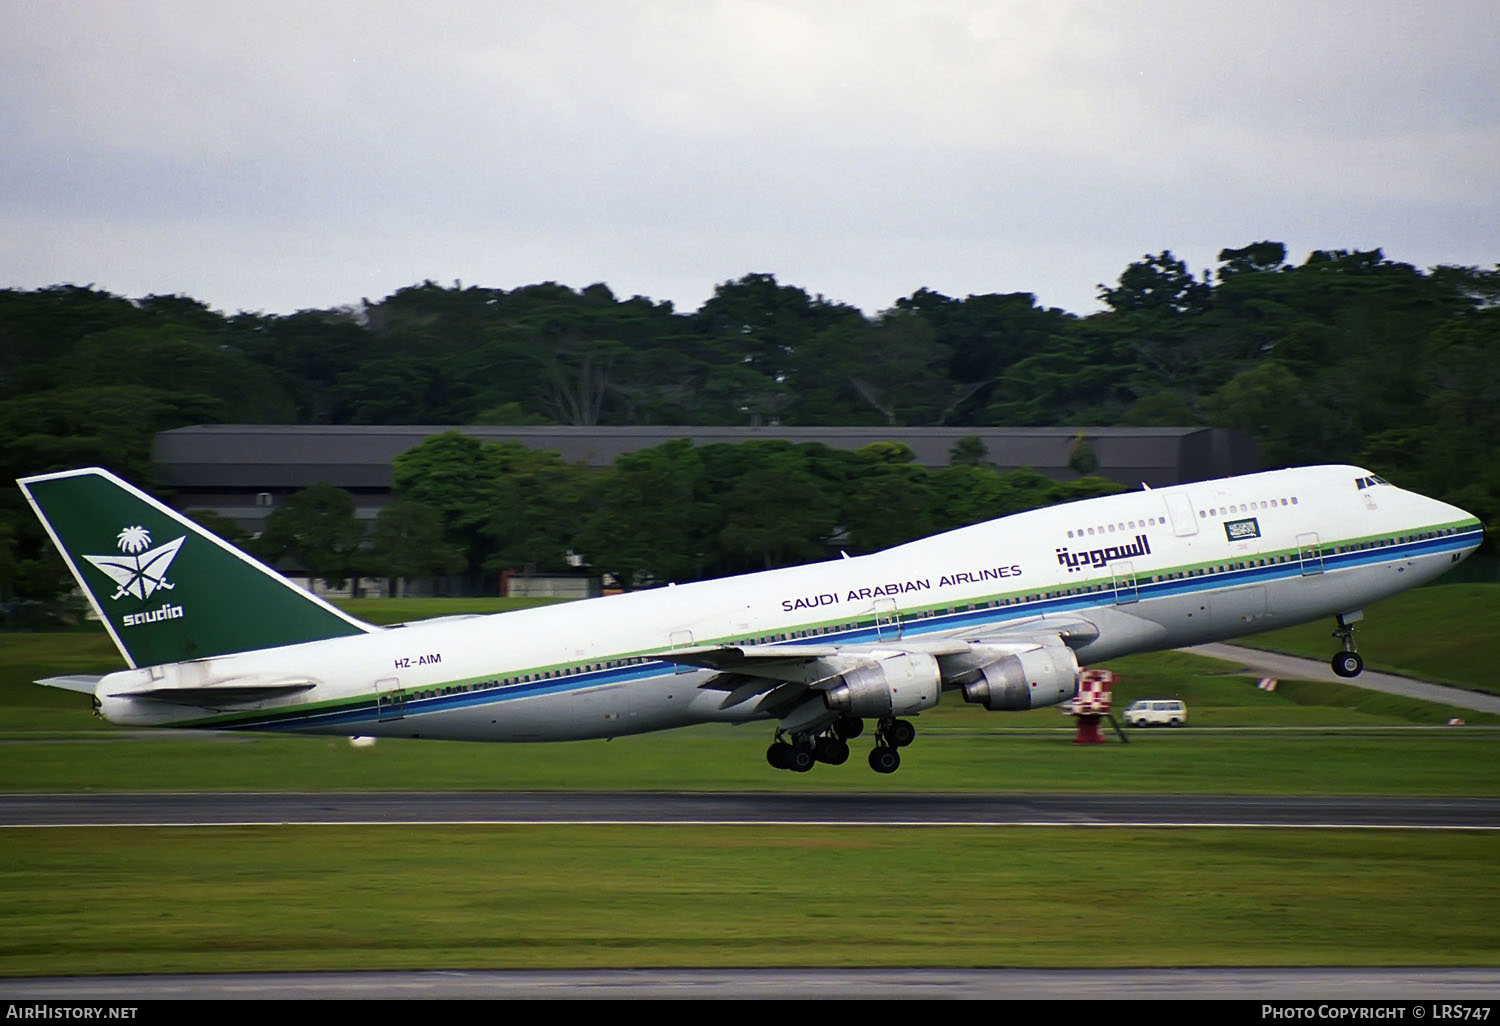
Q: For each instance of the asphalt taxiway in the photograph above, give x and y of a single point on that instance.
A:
(909, 809)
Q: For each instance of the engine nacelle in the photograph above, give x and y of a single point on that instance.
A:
(899, 685)
(1025, 680)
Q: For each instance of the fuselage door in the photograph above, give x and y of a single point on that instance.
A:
(1180, 509)
(390, 700)
(887, 620)
(1310, 553)
(1124, 574)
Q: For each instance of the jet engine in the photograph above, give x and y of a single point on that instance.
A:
(1027, 679)
(896, 685)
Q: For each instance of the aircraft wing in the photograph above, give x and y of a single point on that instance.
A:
(757, 669)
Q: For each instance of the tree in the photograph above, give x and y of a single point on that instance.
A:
(315, 527)
(889, 500)
(537, 505)
(1081, 457)
(776, 512)
(222, 526)
(1270, 404)
(646, 523)
(892, 371)
(457, 476)
(308, 352)
(110, 426)
(968, 451)
(171, 359)
(1256, 258)
(964, 494)
(1159, 284)
(765, 323)
(407, 541)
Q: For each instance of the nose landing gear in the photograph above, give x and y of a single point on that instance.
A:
(1347, 663)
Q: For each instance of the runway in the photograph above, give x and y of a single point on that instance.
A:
(907, 809)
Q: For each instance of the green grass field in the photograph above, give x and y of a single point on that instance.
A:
(303, 898)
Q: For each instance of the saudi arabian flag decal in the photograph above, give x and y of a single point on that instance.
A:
(139, 571)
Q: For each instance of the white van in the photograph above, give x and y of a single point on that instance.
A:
(1152, 711)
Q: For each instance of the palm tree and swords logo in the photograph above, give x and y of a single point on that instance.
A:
(139, 571)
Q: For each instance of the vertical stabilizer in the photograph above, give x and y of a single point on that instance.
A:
(166, 589)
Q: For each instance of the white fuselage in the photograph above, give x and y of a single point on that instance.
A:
(1142, 571)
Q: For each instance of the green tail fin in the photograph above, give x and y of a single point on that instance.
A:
(166, 589)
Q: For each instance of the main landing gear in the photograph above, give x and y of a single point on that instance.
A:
(800, 753)
(1348, 662)
(889, 736)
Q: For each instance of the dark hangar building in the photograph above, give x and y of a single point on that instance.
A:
(244, 471)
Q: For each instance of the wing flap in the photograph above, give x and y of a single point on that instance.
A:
(1074, 631)
(740, 657)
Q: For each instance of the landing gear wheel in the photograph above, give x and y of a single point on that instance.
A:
(832, 750)
(884, 760)
(779, 755)
(1348, 664)
(848, 727)
(801, 759)
(900, 733)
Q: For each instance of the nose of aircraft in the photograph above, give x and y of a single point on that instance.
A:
(1461, 522)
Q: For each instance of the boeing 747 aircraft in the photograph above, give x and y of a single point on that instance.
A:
(1004, 612)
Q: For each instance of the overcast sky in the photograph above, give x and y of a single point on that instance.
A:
(266, 156)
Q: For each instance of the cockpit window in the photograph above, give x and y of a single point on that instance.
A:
(1370, 482)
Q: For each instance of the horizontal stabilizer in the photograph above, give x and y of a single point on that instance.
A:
(236, 691)
(78, 682)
